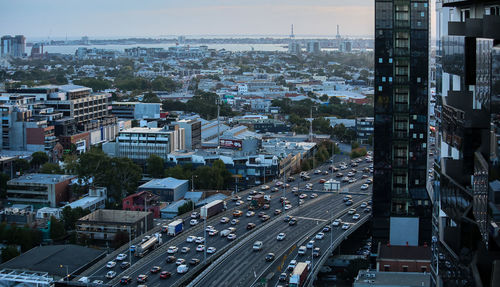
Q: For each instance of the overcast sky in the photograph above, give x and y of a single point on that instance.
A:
(116, 18)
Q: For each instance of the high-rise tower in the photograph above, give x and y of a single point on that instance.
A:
(401, 204)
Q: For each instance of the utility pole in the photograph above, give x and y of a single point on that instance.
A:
(129, 245)
(311, 126)
(146, 209)
(205, 237)
(218, 122)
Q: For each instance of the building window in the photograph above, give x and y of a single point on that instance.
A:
(380, 60)
(390, 60)
(383, 79)
(387, 268)
(390, 79)
(380, 88)
(405, 268)
(423, 268)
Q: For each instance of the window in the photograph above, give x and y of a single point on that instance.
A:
(423, 268)
(383, 79)
(464, 14)
(390, 60)
(380, 88)
(390, 79)
(380, 60)
(387, 268)
(405, 268)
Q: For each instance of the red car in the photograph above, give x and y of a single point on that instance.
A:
(322, 180)
(165, 275)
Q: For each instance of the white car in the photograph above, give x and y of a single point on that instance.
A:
(191, 238)
(239, 202)
(292, 265)
(224, 220)
(199, 239)
(310, 244)
(235, 221)
(281, 236)
(364, 187)
(356, 216)
(172, 249)
(200, 248)
(363, 205)
(295, 189)
(111, 274)
(121, 257)
(249, 198)
(211, 250)
(288, 206)
(231, 236)
(97, 282)
(302, 196)
(346, 226)
(336, 222)
(345, 179)
(250, 213)
(320, 235)
(351, 211)
(317, 171)
(265, 187)
(111, 264)
(185, 249)
(193, 222)
(180, 261)
(210, 227)
(213, 232)
(183, 268)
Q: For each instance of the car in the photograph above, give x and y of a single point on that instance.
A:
(320, 236)
(195, 215)
(185, 249)
(281, 236)
(171, 259)
(295, 189)
(172, 249)
(142, 278)
(347, 198)
(288, 206)
(310, 244)
(183, 268)
(125, 265)
(211, 250)
(313, 195)
(110, 264)
(265, 218)
(132, 248)
(346, 226)
(345, 179)
(111, 274)
(213, 232)
(302, 196)
(224, 220)
(283, 277)
(292, 265)
(356, 216)
(199, 239)
(350, 174)
(250, 225)
(260, 214)
(327, 229)
(180, 261)
(352, 180)
(277, 211)
(290, 179)
(325, 172)
(369, 181)
(336, 222)
(292, 221)
(200, 248)
(351, 211)
(125, 280)
(257, 246)
(339, 174)
(237, 213)
(97, 282)
(316, 252)
(236, 197)
(368, 209)
(239, 202)
(250, 213)
(269, 257)
(349, 203)
(253, 192)
(191, 238)
(322, 180)
(193, 222)
(363, 205)
(364, 187)
(275, 189)
(231, 236)
(165, 275)
(155, 269)
(287, 218)
(194, 261)
(265, 187)
(121, 257)
(207, 229)
(305, 178)
(249, 198)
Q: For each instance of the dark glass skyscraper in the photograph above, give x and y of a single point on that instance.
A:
(401, 204)
(467, 170)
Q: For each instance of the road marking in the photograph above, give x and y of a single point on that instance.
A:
(309, 218)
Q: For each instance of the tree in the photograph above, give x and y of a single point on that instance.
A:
(57, 230)
(324, 98)
(4, 178)
(51, 168)
(186, 207)
(21, 165)
(93, 164)
(122, 177)
(9, 252)
(151, 98)
(358, 152)
(71, 215)
(155, 166)
(38, 158)
(121, 237)
(354, 266)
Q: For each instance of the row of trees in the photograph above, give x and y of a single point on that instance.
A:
(203, 103)
(323, 154)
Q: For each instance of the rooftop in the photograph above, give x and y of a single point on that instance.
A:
(390, 279)
(40, 178)
(115, 216)
(166, 183)
(49, 259)
(404, 252)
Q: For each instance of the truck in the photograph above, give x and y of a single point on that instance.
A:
(299, 275)
(212, 208)
(175, 227)
(147, 246)
(258, 200)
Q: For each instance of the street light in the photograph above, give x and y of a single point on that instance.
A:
(67, 272)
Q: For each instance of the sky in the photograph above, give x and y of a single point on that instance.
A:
(57, 19)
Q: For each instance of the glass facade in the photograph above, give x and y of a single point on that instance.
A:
(401, 117)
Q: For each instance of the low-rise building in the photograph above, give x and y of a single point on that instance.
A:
(168, 189)
(392, 258)
(368, 278)
(39, 190)
(104, 224)
(95, 199)
(143, 201)
(172, 210)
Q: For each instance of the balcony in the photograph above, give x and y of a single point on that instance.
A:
(400, 163)
(398, 134)
(401, 107)
(478, 28)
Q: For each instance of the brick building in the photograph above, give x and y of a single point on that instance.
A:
(136, 201)
(403, 258)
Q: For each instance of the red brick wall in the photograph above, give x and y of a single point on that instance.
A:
(35, 136)
(61, 190)
(397, 265)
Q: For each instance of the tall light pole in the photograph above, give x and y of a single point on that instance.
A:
(205, 237)
(67, 271)
(218, 121)
(130, 245)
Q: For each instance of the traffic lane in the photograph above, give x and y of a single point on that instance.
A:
(244, 259)
(323, 244)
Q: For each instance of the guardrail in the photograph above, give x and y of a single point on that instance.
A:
(331, 248)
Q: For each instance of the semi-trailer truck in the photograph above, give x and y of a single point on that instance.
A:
(175, 227)
(299, 275)
(212, 208)
(147, 246)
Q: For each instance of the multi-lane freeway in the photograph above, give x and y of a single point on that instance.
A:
(312, 211)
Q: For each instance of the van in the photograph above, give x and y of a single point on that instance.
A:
(225, 232)
(183, 268)
(302, 250)
(257, 246)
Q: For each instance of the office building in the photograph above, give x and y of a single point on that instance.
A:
(313, 47)
(401, 204)
(364, 130)
(13, 46)
(192, 131)
(467, 171)
(168, 189)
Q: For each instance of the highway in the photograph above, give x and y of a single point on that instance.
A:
(157, 257)
(244, 265)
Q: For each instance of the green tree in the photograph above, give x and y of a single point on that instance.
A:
(57, 230)
(21, 165)
(9, 252)
(122, 177)
(151, 98)
(71, 215)
(38, 158)
(97, 84)
(186, 207)
(93, 164)
(353, 268)
(155, 166)
(324, 98)
(51, 168)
